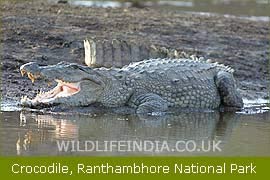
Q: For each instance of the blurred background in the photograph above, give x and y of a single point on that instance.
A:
(233, 7)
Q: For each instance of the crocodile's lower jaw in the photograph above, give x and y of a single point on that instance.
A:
(62, 90)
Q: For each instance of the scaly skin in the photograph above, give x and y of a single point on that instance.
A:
(148, 86)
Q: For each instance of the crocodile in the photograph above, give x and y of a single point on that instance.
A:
(153, 85)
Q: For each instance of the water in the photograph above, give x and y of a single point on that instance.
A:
(32, 133)
(250, 9)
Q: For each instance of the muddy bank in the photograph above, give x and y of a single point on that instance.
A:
(50, 33)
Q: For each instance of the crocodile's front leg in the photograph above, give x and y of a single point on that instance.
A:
(148, 103)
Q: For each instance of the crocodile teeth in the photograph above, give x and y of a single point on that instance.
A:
(24, 98)
(40, 92)
(58, 81)
(31, 77)
(23, 72)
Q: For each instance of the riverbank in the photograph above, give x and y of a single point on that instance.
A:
(50, 33)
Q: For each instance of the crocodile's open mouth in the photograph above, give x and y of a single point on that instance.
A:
(61, 90)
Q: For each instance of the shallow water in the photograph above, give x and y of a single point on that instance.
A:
(32, 133)
(251, 9)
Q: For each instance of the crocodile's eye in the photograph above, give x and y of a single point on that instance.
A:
(74, 66)
(119, 76)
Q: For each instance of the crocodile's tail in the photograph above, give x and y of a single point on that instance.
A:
(118, 53)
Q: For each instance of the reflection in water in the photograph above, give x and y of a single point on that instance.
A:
(35, 134)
